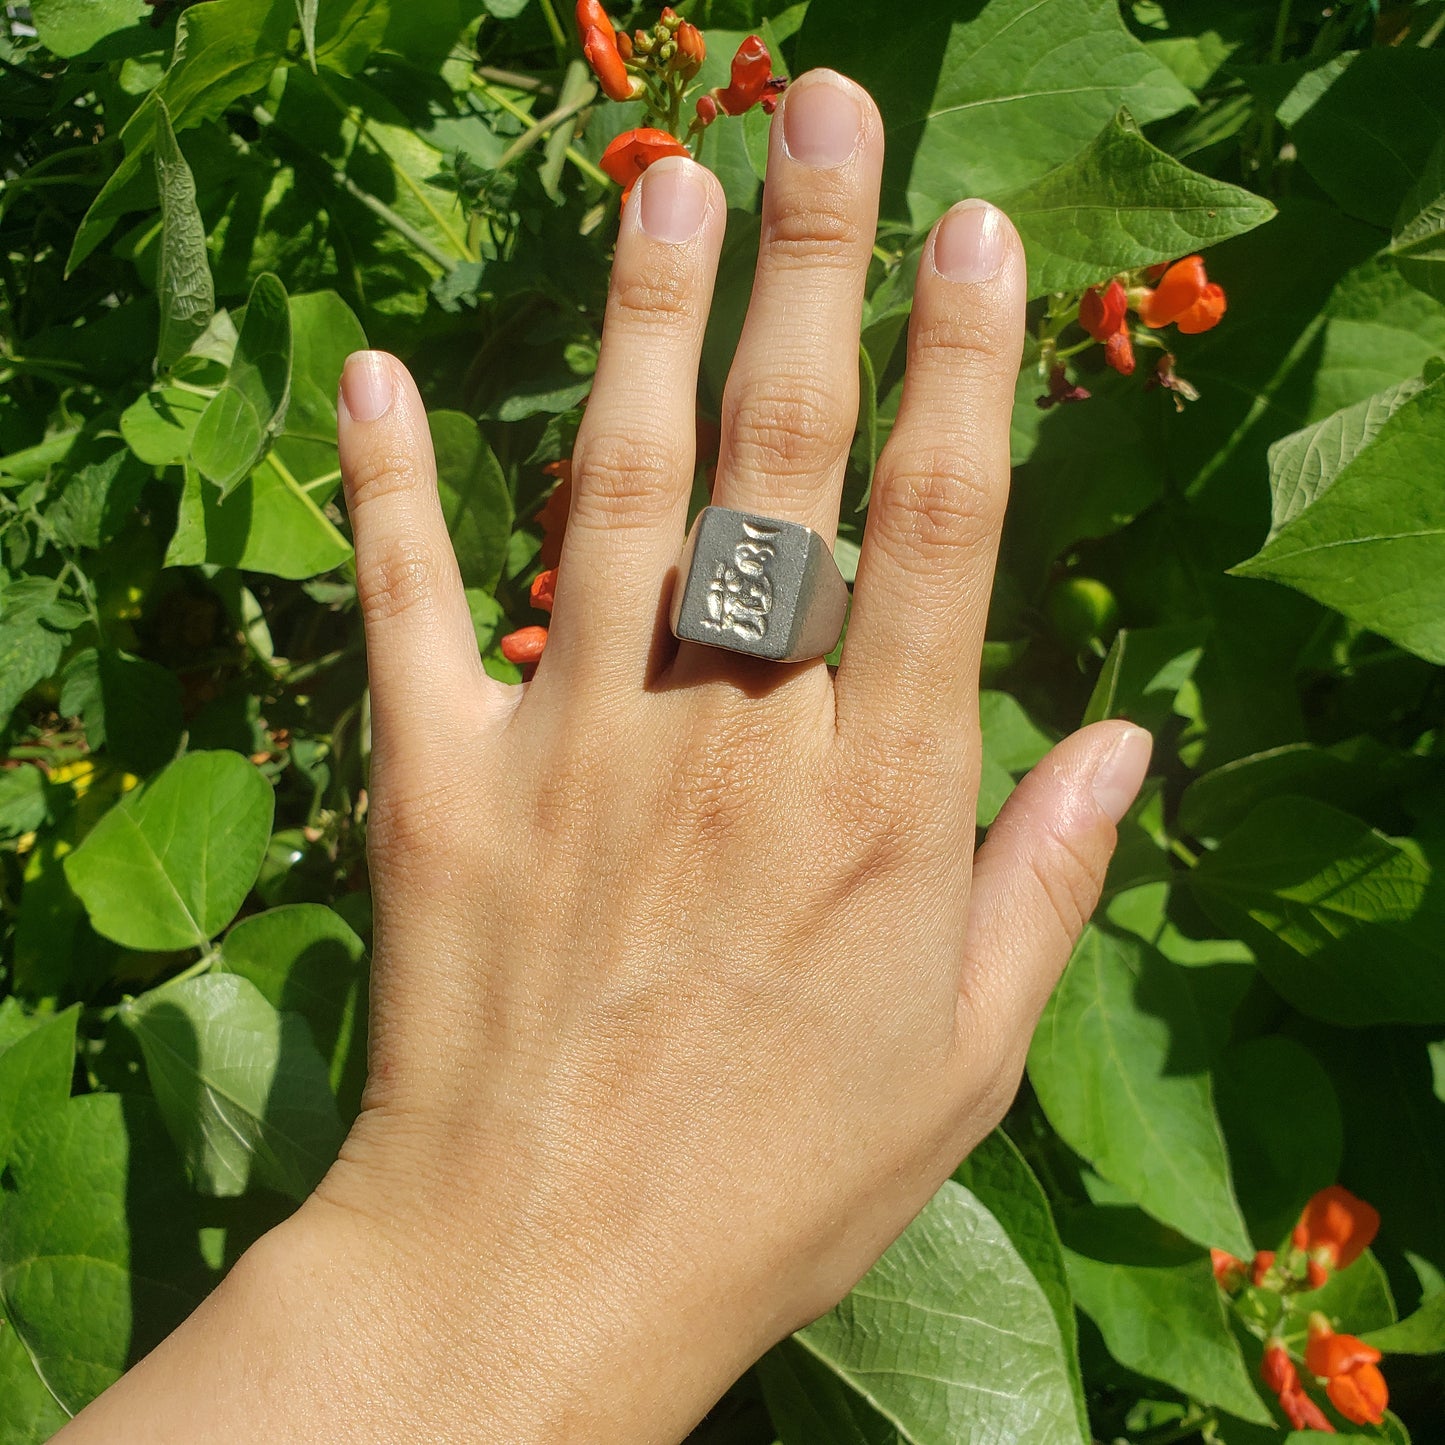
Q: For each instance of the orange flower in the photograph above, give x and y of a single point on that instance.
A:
(1277, 1369)
(691, 47)
(1178, 289)
(1119, 352)
(1336, 1228)
(553, 516)
(1303, 1413)
(1350, 1369)
(1205, 313)
(600, 48)
(544, 589)
(524, 645)
(591, 15)
(1101, 313)
(1228, 1269)
(751, 68)
(1263, 1263)
(634, 150)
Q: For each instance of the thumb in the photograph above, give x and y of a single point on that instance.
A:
(1038, 876)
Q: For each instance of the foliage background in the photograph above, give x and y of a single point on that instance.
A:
(205, 208)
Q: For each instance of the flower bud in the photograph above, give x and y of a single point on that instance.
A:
(707, 110)
(601, 51)
(524, 645)
(544, 589)
(691, 48)
(751, 68)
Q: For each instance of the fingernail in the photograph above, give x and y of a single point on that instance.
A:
(366, 388)
(1121, 774)
(970, 243)
(822, 121)
(674, 199)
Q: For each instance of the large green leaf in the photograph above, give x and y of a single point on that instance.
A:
(242, 418)
(1304, 464)
(183, 285)
(240, 1085)
(98, 1255)
(35, 1072)
(34, 623)
(224, 49)
(270, 523)
(73, 27)
(1418, 242)
(1422, 1333)
(950, 1337)
(998, 1177)
(1281, 1155)
(31, 1413)
(1120, 1064)
(474, 497)
(305, 959)
(130, 707)
(984, 103)
(1122, 203)
(1155, 1301)
(170, 864)
(1363, 125)
(1346, 923)
(1373, 545)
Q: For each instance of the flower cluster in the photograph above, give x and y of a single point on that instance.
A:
(657, 66)
(525, 645)
(1335, 1229)
(1178, 294)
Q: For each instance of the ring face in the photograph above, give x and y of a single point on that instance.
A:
(758, 585)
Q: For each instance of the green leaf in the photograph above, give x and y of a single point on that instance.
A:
(1282, 1154)
(305, 959)
(1120, 1064)
(129, 706)
(24, 801)
(242, 418)
(241, 1086)
(1344, 921)
(984, 104)
(998, 1177)
(73, 27)
(183, 285)
(170, 864)
(99, 497)
(950, 1337)
(1155, 1301)
(32, 1414)
(1304, 464)
(1364, 125)
(34, 624)
(1144, 673)
(1356, 1299)
(474, 497)
(1373, 545)
(306, 14)
(1418, 242)
(158, 428)
(1422, 1333)
(1011, 745)
(98, 1256)
(1119, 204)
(810, 1405)
(35, 1073)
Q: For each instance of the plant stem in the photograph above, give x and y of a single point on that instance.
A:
(1266, 130)
(549, 122)
(559, 36)
(573, 154)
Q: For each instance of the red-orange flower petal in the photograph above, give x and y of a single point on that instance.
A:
(1277, 1369)
(590, 14)
(1338, 1227)
(690, 45)
(1303, 1413)
(750, 70)
(629, 154)
(1329, 1354)
(1263, 1263)
(1205, 314)
(544, 589)
(600, 48)
(1178, 289)
(553, 516)
(1119, 352)
(524, 645)
(1360, 1395)
(1101, 313)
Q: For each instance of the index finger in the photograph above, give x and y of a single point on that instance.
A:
(920, 601)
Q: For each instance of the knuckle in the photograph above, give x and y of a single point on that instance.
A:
(788, 433)
(399, 578)
(823, 233)
(378, 473)
(657, 294)
(964, 343)
(936, 500)
(622, 481)
(1068, 878)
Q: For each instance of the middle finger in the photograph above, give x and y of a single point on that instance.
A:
(791, 401)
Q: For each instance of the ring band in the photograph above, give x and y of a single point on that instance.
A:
(758, 585)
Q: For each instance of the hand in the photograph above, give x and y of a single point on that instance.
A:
(689, 986)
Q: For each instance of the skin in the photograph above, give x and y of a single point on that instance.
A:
(689, 986)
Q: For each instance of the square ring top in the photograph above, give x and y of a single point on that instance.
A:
(759, 585)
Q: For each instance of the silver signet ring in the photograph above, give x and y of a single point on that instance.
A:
(758, 585)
